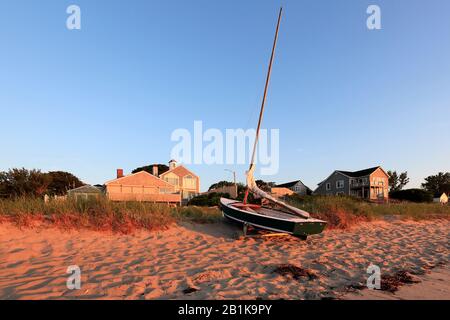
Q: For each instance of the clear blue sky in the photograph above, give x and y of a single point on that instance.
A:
(109, 95)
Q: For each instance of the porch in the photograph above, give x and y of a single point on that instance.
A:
(368, 192)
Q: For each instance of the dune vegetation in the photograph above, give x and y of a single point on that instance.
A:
(342, 211)
(101, 214)
(125, 217)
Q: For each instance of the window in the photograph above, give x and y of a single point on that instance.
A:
(340, 193)
(189, 182)
(172, 181)
(378, 181)
(165, 190)
(340, 184)
(328, 186)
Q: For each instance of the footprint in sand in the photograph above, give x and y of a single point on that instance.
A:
(15, 264)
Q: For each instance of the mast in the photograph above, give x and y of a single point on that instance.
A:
(265, 88)
(263, 103)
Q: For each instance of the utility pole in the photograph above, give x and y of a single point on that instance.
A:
(234, 180)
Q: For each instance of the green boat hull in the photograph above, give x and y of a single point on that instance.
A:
(295, 226)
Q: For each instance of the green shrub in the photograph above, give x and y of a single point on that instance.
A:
(414, 195)
(208, 200)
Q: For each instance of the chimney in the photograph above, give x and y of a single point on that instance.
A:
(172, 164)
(119, 173)
(155, 170)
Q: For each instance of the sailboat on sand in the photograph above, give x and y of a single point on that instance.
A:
(279, 216)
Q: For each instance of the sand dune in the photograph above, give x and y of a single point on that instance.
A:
(210, 262)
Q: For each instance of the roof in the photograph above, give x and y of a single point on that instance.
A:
(140, 178)
(360, 173)
(85, 189)
(288, 184)
(180, 171)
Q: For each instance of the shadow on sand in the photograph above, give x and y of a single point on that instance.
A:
(221, 229)
(229, 230)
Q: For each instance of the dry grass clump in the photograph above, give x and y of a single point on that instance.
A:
(393, 283)
(295, 272)
(339, 212)
(342, 212)
(198, 214)
(99, 214)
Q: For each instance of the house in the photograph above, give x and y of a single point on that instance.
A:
(371, 184)
(85, 192)
(141, 186)
(443, 199)
(185, 181)
(296, 186)
(279, 192)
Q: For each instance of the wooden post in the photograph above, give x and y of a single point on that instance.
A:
(235, 184)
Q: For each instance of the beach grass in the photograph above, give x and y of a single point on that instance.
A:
(342, 211)
(198, 214)
(101, 214)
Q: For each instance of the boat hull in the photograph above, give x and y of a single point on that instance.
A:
(295, 226)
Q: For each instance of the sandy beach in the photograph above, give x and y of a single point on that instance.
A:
(207, 261)
(434, 285)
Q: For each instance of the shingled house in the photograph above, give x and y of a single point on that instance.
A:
(175, 186)
(371, 184)
(185, 181)
(141, 186)
(296, 186)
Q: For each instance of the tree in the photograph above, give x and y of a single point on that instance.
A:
(437, 184)
(209, 200)
(220, 184)
(241, 188)
(161, 169)
(414, 195)
(397, 182)
(403, 180)
(62, 181)
(16, 183)
(265, 186)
